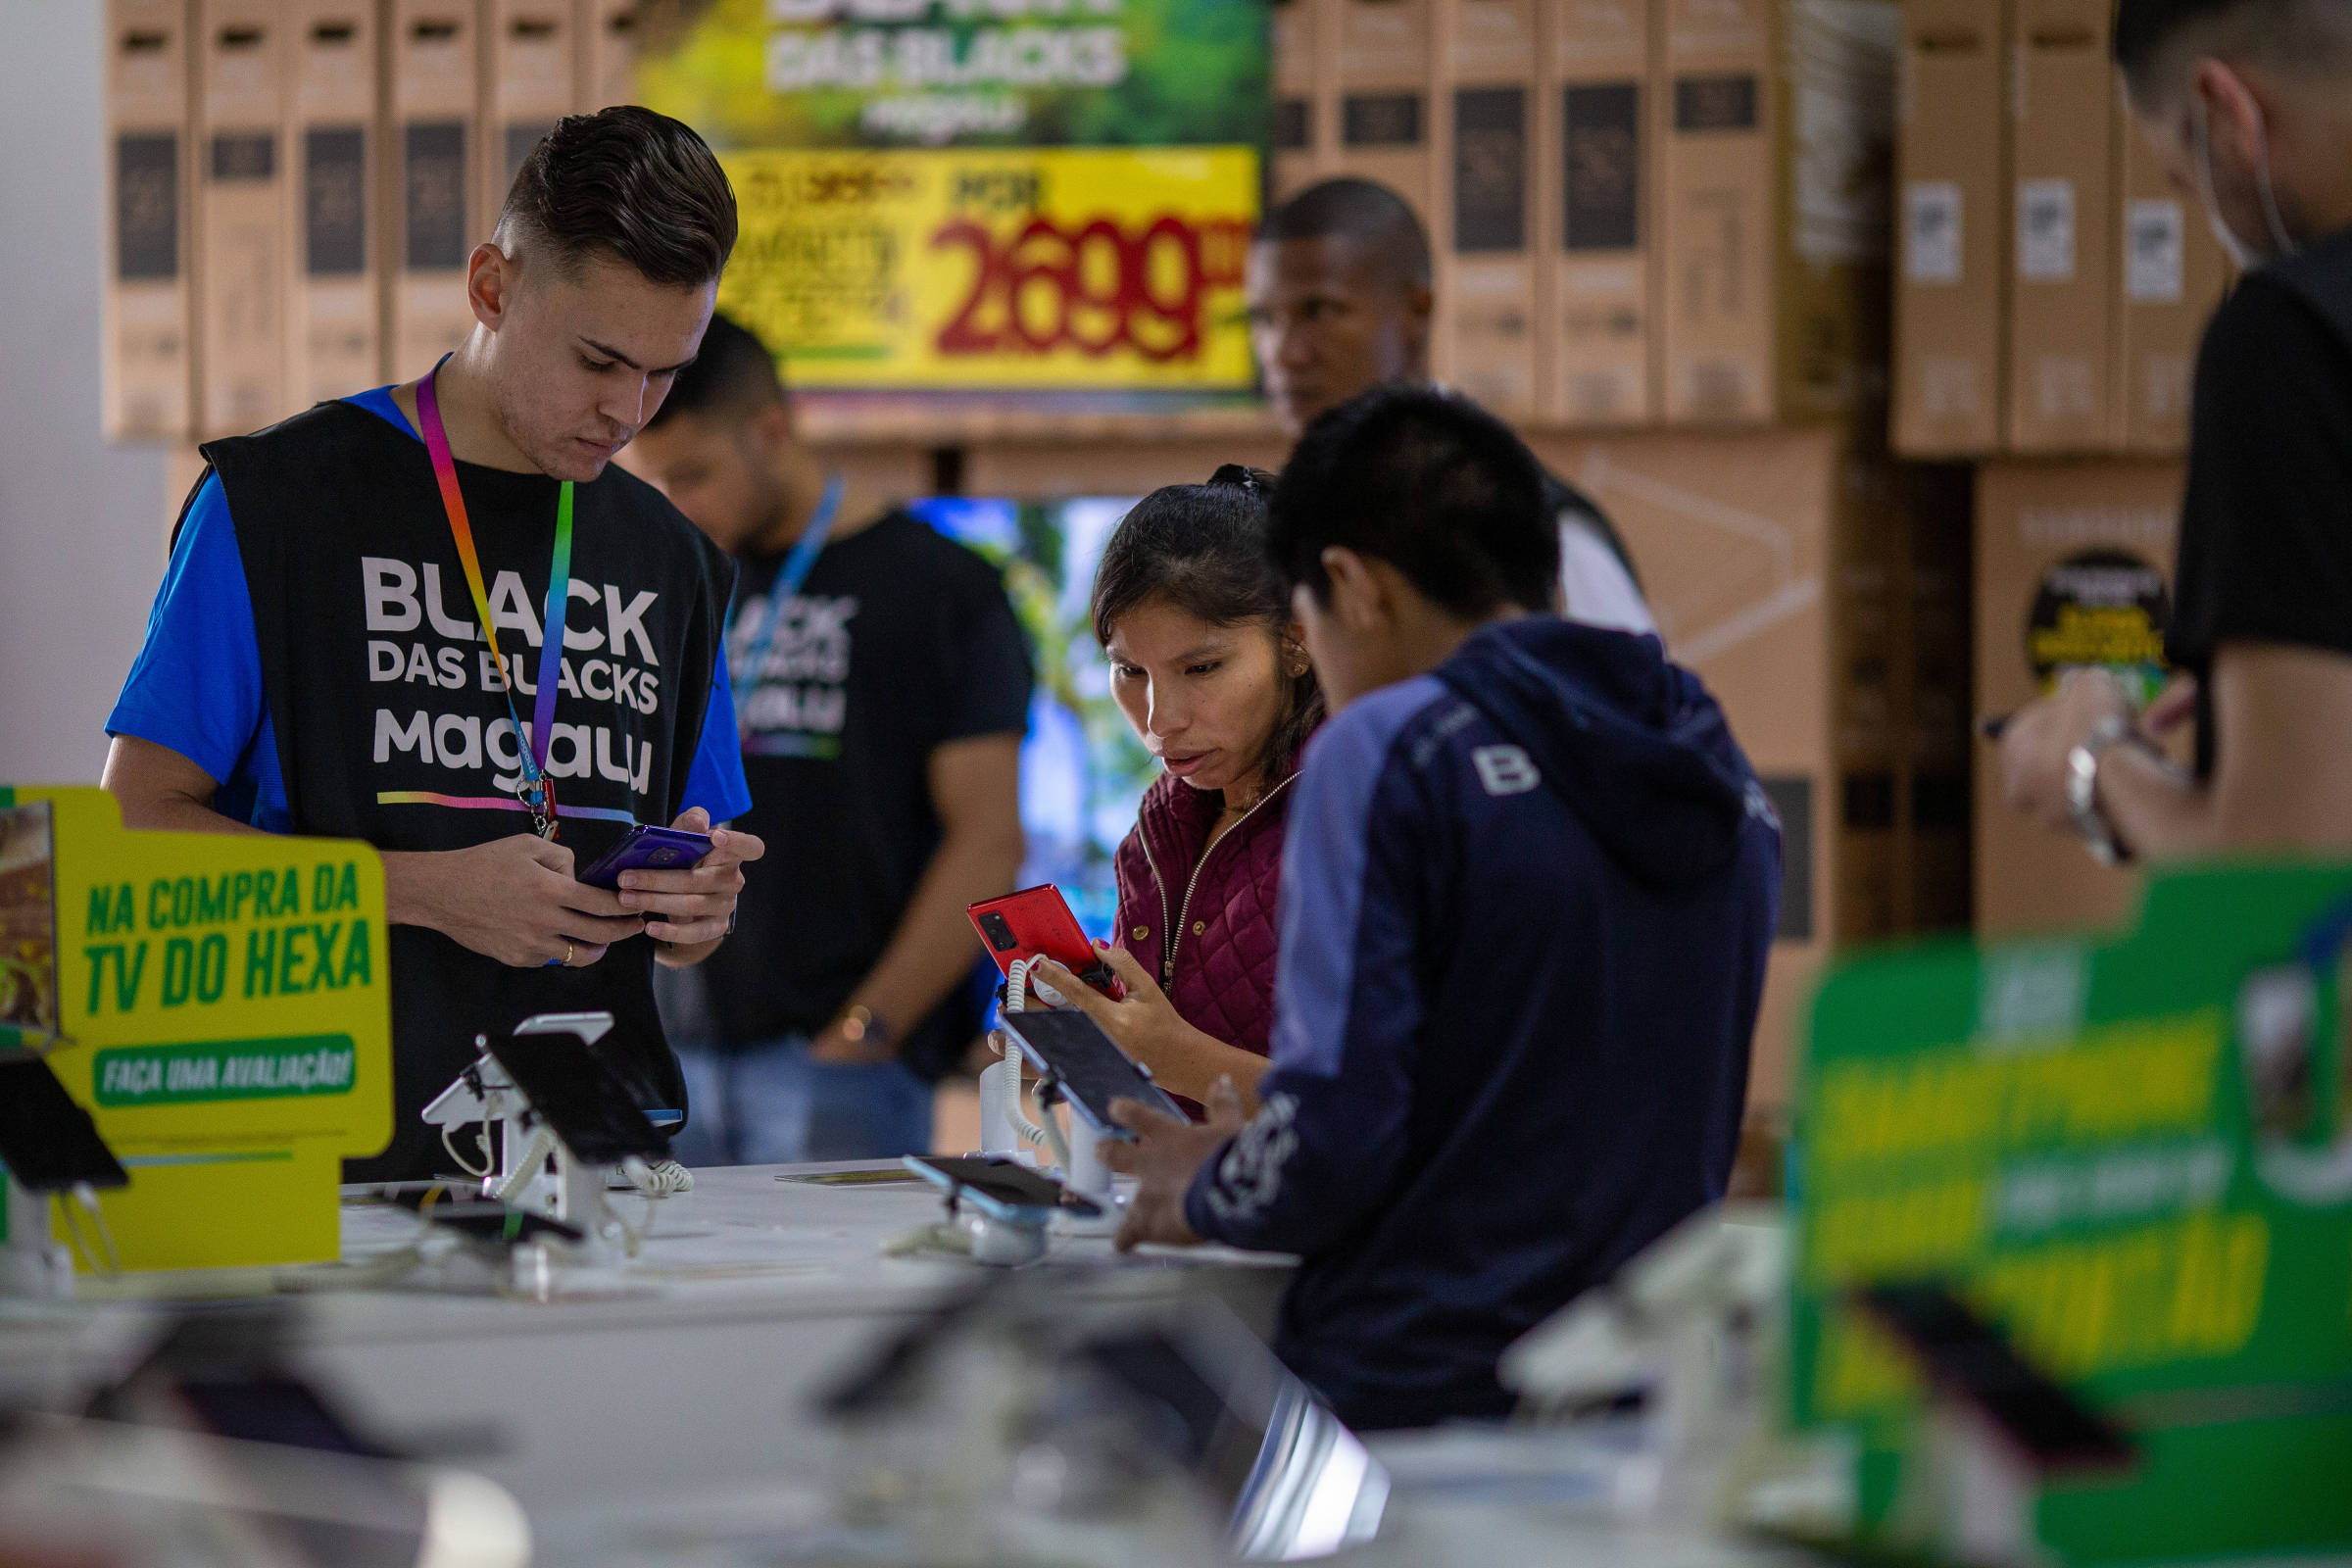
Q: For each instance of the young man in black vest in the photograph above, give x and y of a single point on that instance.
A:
(883, 686)
(1339, 302)
(2249, 103)
(357, 636)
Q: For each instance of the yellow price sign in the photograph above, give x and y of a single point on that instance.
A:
(1095, 268)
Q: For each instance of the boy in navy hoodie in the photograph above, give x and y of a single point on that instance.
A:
(1527, 894)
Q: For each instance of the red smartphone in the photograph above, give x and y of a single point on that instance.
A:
(1035, 920)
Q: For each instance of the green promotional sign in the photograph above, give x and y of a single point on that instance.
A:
(226, 1069)
(2135, 1156)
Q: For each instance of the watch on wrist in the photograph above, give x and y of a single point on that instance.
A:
(861, 1025)
(2083, 791)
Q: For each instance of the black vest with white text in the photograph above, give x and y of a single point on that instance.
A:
(391, 725)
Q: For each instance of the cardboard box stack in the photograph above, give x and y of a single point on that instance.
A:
(2052, 286)
(1772, 221)
(2050, 294)
(334, 337)
(532, 81)
(1382, 51)
(1643, 211)
(295, 186)
(1302, 131)
(147, 376)
(1597, 292)
(608, 43)
(431, 211)
(1950, 226)
(1487, 261)
(242, 55)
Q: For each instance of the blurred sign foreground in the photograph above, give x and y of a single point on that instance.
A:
(2133, 1157)
(1046, 195)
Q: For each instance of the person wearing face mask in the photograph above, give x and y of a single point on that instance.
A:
(1209, 666)
(1338, 283)
(2249, 105)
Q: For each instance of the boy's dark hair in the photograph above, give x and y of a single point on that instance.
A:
(628, 183)
(1201, 548)
(1380, 221)
(732, 376)
(2154, 38)
(1429, 482)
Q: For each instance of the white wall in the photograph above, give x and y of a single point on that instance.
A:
(81, 523)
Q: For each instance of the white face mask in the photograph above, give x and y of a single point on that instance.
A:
(2242, 256)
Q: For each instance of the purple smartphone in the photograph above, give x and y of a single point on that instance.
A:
(647, 849)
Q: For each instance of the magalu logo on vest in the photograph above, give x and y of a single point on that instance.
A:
(798, 704)
(419, 644)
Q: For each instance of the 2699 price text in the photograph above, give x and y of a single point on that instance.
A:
(1097, 287)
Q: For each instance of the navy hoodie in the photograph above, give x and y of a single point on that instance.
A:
(1526, 903)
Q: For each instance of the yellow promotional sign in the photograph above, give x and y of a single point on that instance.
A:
(219, 1003)
(1095, 267)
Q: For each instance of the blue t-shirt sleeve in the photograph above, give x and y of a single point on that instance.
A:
(714, 778)
(196, 687)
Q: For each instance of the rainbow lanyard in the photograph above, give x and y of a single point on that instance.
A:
(536, 792)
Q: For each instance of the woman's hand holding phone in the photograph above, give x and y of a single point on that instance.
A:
(1145, 1023)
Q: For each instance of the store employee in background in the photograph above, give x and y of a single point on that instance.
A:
(2249, 103)
(883, 686)
(1340, 303)
(356, 637)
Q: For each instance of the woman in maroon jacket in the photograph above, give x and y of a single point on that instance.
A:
(1209, 666)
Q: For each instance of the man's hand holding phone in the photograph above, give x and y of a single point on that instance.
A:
(1165, 1156)
(693, 908)
(512, 899)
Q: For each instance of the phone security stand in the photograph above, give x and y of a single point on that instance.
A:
(537, 1169)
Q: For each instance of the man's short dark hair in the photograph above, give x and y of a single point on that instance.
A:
(1379, 221)
(732, 376)
(2154, 39)
(630, 184)
(1429, 482)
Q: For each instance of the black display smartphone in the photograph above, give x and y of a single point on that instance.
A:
(1972, 1359)
(47, 1142)
(579, 1098)
(997, 1184)
(1094, 1071)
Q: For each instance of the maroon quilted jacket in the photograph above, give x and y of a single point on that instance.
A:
(1205, 928)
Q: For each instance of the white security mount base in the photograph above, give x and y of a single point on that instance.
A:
(535, 1171)
(31, 1262)
(1090, 1178)
(1003, 1243)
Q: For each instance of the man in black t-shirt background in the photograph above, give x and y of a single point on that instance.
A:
(2249, 104)
(883, 696)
